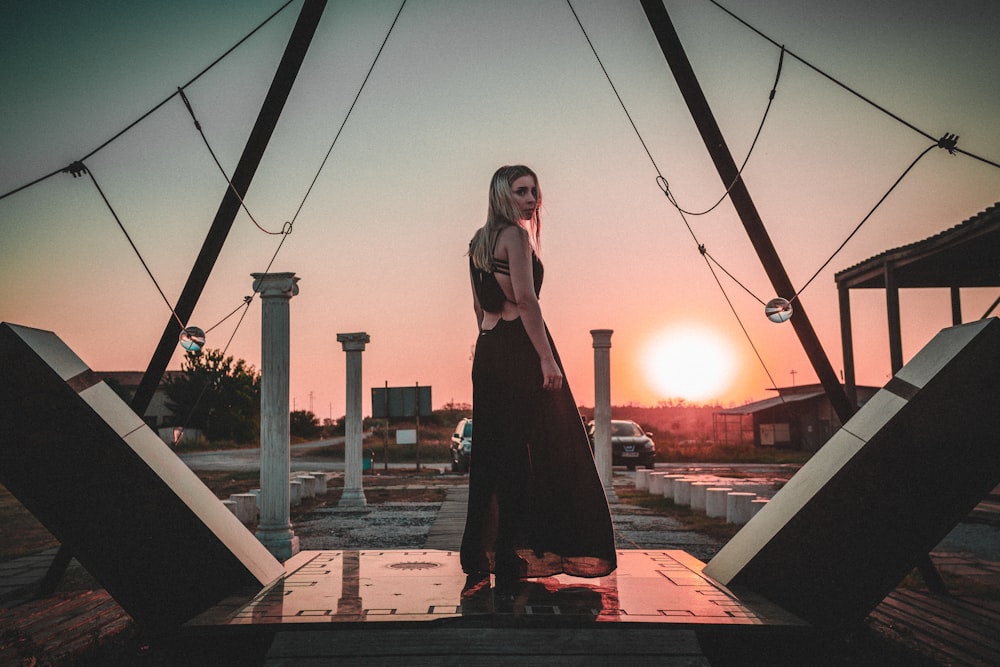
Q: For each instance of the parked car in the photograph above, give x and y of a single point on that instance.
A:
(630, 445)
(461, 446)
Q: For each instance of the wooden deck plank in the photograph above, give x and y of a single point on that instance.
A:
(62, 626)
(938, 626)
(947, 611)
(954, 613)
(471, 645)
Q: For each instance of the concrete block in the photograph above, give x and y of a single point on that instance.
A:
(756, 506)
(246, 507)
(738, 507)
(698, 494)
(656, 483)
(308, 486)
(642, 479)
(320, 483)
(682, 492)
(668, 484)
(715, 501)
(294, 493)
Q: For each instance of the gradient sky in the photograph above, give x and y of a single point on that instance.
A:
(461, 88)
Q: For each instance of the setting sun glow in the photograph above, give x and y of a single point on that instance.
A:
(689, 361)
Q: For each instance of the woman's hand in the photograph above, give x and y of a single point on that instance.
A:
(552, 377)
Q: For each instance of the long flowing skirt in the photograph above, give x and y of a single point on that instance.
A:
(536, 503)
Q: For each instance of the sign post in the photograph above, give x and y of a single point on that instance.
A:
(392, 402)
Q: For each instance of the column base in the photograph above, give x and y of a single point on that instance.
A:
(353, 498)
(282, 543)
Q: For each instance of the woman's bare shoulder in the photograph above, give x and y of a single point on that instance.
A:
(513, 237)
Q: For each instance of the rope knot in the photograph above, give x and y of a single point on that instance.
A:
(664, 185)
(948, 142)
(77, 169)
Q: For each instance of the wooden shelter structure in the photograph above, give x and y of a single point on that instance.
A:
(966, 255)
(800, 418)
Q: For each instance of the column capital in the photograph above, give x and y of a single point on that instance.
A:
(276, 284)
(602, 337)
(353, 342)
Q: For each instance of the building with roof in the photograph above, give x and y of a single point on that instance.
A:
(964, 256)
(800, 418)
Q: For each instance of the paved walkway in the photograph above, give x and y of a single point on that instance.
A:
(446, 531)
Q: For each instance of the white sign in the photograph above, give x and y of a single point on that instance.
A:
(406, 436)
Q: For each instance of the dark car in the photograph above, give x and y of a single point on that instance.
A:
(630, 445)
(461, 446)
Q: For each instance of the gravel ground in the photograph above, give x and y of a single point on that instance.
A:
(406, 526)
(384, 526)
(640, 528)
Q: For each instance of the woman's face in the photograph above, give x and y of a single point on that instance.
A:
(525, 196)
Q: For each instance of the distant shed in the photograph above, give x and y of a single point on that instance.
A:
(800, 418)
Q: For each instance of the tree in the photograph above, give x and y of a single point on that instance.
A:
(217, 394)
(304, 424)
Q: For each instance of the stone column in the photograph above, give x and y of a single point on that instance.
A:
(354, 495)
(275, 528)
(602, 407)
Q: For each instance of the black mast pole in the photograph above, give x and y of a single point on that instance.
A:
(267, 119)
(673, 51)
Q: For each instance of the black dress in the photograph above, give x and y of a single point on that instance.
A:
(536, 503)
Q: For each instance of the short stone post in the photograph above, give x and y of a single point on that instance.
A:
(354, 494)
(320, 482)
(602, 407)
(682, 492)
(739, 507)
(308, 486)
(246, 506)
(275, 528)
(667, 485)
(698, 495)
(715, 502)
(656, 483)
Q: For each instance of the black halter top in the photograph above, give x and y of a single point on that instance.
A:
(488, 291)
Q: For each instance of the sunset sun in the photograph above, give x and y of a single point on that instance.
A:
(689, 361)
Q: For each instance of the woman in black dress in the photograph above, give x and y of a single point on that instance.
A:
(536, 503)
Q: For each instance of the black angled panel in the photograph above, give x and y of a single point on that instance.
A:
(110, 490)
(884, 491)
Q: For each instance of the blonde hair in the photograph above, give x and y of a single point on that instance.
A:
(502, 213)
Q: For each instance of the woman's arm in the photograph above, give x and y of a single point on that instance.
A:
(518, 250)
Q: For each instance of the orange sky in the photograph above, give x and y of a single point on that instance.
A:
(459, 90)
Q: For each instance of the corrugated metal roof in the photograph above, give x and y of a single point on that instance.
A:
(769, 403)
(966, 255)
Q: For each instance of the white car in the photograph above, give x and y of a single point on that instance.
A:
(461, 446)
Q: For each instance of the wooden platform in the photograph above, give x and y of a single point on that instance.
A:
(59, 628)
(949, 630)
(956, 631)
